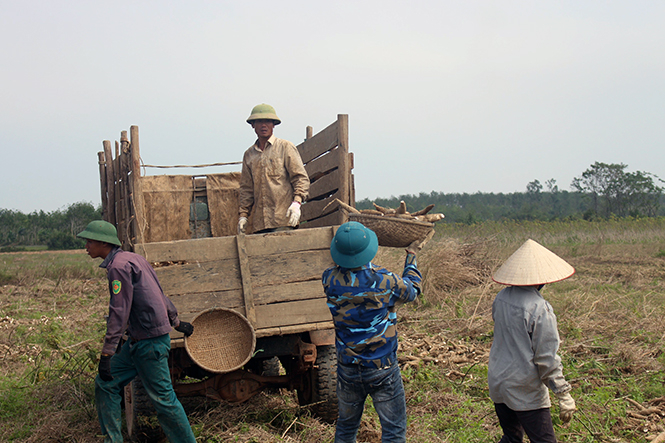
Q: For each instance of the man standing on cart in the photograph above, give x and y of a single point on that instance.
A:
(274, 182)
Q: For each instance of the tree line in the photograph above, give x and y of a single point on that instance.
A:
(56, 230)
(602, 191)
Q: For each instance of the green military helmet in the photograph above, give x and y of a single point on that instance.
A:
(263, 112)
(100, 230)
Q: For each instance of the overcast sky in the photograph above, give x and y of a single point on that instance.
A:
(446, 96)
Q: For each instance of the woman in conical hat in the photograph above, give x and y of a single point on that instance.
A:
(523, 360)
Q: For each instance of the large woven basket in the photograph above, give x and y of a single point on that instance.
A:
(223, 340)
(394, 231)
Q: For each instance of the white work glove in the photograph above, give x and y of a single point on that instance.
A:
(566, 406)
(293, 214)
(242, 225)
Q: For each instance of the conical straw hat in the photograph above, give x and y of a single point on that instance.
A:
(531, 265)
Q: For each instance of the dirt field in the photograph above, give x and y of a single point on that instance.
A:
(610, 320)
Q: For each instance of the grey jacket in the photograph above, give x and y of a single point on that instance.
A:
(523, 359)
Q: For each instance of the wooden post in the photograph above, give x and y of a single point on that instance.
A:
(343, 145)
(136, 187)
(102, 182)
(118, 191)
(109, 203)
(124, 186)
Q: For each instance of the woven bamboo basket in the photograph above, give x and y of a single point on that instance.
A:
(394, 232)
(223, 340)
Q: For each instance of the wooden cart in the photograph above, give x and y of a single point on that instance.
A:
(185, 226)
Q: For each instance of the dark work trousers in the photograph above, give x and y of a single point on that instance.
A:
(537, 424)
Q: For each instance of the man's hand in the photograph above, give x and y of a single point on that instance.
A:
(566, 406)
(105, 368)
(293, 214)
(416, 246)
(242, 225)
(185, 328)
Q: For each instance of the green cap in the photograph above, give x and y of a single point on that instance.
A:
(263, 112)
(100, 230)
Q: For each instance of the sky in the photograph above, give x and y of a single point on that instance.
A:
(445, 96)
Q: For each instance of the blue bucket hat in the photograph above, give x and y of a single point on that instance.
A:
(354, 245)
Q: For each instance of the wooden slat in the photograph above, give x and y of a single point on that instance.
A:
(196, 250)
(292, 313)
(190, 278)
(295, 267)
(326, 185)
(289, 292)
(314, 209)
(336, 218)
(219, 248)
(324, 164)
(318, 144)
(295, 329)
(198, 302)
(288, 241)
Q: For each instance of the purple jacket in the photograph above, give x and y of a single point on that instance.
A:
(137, 300)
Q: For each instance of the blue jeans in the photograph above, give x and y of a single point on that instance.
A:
(354, 384)
(149, 360)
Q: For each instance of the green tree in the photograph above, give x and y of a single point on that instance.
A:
(613, 191)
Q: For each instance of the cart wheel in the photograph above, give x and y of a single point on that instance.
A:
(140, 414)
(319, 385)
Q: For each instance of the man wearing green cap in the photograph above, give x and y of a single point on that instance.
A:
(274, 182)
(363, 298)
(139, 306)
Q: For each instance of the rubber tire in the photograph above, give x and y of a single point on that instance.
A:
(140, 415)
(320, 385)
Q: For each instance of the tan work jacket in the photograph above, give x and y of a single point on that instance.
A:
(271, 180)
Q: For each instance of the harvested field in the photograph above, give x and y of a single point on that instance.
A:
(610, 320)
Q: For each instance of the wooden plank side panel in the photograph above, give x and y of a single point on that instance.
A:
(286, 268)
(194, 250)
(292, 313)
(220, 275)
(188, 303)
(289, 292)
(320, 143)
(285, 242)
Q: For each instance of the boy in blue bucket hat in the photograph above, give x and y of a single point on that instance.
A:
(362, 298)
